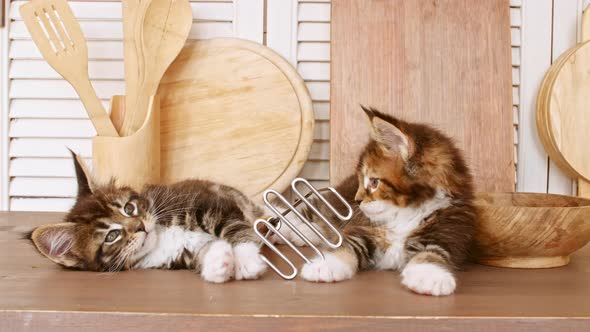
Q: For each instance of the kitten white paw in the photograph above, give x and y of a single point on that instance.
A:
(218, 263)
(429, 279)
(331, 269)
(249, 265)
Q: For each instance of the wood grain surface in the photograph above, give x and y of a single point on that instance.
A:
(568, 107)
(161, 30)
(530, 230)
(234, 112)
(562, 106)
(133, 160)
(542, 116)
(446, 63)
(37, 295)
(130, 56)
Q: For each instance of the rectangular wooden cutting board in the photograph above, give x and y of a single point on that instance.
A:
(446, 63)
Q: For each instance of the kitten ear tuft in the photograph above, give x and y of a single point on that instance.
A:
(55, 242)
(370, 112)
(390, 137)
(85, 184)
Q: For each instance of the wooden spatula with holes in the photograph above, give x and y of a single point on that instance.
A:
(58, 36)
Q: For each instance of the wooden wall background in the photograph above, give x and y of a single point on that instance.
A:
(39, 113)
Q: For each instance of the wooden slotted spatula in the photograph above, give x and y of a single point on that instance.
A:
(58, 36)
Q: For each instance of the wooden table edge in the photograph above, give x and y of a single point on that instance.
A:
(46, 320)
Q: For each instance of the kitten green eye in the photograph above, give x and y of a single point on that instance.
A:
(112, 235)
(129, 209)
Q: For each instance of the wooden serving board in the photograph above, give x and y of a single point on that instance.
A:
(544, 125)
(569, 104)
(562, 109)
(446, 63)
(234, 112)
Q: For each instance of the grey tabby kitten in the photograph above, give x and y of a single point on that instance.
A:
(192, 224)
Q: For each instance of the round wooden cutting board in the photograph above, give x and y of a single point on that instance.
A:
(544, 100)
(234, 112)
(563, 107)
(569, 111)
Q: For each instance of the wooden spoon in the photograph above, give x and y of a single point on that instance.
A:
(131, 55)
(164, 27)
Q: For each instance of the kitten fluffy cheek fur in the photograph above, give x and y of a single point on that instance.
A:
(148, 243)
(428, 279)
(331, 269)
(376, 209)
(248, 263)
(218, 262)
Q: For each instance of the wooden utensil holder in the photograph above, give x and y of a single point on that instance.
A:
(133, 160)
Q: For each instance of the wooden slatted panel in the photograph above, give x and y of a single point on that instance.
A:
(48, 108)
(313, 63)
(42, 187)
(45, 113)
(516, 28)
(39, 69)
(97, 50)
(52, 204)
(49, 148)
(113, 30)
(208, 10)
(44, 167)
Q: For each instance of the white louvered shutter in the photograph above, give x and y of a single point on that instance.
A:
(313, 62)
(515, 28)
(45, 113)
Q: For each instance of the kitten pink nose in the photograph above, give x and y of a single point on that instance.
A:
(140, 227)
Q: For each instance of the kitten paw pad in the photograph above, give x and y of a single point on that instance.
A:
(428, 279)
(330, 269)
(249, 265)
(218, 263)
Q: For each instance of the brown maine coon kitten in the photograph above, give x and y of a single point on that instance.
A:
(192, 224)
(413, 200)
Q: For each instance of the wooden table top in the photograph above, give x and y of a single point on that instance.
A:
(35, 294)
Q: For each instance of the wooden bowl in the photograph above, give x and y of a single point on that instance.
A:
(527, 230)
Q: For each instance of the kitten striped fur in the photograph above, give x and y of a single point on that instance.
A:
(412, 197)
(193, 224)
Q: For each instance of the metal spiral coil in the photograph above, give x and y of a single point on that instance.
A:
(280, 218)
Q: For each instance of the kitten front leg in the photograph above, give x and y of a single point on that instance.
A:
(249, 265)
(437, 249)
(427, 273)
(217, 262)
(357, 251)
(336, 266)
(246, 249)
